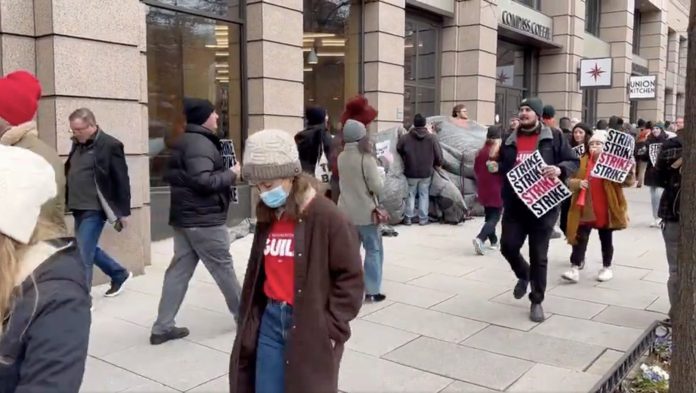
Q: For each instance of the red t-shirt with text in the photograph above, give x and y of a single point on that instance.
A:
(526, 144)
(279, 262)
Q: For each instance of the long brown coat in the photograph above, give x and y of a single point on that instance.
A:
(328, 295)
(616, 201)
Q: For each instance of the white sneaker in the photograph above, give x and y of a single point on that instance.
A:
(572, 275)
(478, 246)
(494, 246)
(656, 224)
(605, 274)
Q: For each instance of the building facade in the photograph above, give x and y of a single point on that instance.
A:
(263, 61)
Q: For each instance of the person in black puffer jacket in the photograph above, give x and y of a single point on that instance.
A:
(314, 140)
(654, 141)
(44, 298)
(668, 174)
(200, 197)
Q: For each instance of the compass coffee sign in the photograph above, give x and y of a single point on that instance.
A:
(595, 72)
(642, 87)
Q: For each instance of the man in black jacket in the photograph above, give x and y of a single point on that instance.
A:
(518, 221)
(421, 153)
(98, 190)
(668, 172)
(201, 190)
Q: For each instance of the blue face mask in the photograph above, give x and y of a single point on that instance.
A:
(274, 198)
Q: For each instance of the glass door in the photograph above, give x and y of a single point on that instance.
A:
(421, 65)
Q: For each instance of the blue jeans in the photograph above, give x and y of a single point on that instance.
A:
(422, 188)
(371, 239)
(276, 323)
(88, 228)
(655, 196)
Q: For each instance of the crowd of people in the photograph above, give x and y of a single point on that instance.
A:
(306, 280)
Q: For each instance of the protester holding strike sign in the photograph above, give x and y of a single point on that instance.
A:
(580, 136)
(654, 143)
(550, 151)
(596, 204)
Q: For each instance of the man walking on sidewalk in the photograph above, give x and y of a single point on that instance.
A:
(201, 190)
(518, 221)
(669, 176)
(420, 151)
(98, 190)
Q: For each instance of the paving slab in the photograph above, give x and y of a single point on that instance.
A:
(455, 266)
(110, 335)
(362, 373)
(462, 363)
(660, 305)
(536, 348)
(460, 285)
(557, 305)
(375, 339)
(658, 277)
(489, 312)
(632, 299)
(463, 387)
(496, 275)
(544, 378)
(402, 274)
(629, 317)
(218, 385)
(151, 387)
(429, 323)
(413, 295)
(107, 378)
(180, 364)
(369, 308)
(605, 362)
(589, 332)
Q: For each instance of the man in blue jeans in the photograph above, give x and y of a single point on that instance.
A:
(98, 190)
(421, 153)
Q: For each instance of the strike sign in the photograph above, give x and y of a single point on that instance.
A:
(539, 193)
(229, 159)
(580, 150)
(616, 159)
(654, 151)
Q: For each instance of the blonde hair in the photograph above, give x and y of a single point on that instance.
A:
(11, 252)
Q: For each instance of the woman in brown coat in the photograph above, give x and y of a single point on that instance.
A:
(596, 204)
(304, 280)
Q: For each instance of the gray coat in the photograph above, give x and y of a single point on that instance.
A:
(357, 192)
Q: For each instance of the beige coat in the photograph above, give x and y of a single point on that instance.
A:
(26, 136)
(357, 192)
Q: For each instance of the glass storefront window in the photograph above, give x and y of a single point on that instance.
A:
(421, 65)
(190, 56)
(221, 8)
(331, 45)
(516, 77)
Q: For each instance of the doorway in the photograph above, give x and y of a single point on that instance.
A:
(507, 103)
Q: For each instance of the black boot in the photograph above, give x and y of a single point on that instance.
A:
(520, 289)
(536, 314)
(174, 334)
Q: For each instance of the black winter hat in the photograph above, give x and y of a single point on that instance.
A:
(549, 112)
(418, 120)
(616, 122)
(494, 132)
(197, 110)
(315, 115)
(584, 127)
(535, 104)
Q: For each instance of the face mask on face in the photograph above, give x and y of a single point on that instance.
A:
(274, 198)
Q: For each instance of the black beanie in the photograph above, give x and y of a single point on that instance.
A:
(418, 120)
(549, 112)
(494, 132)
(315, 115)
(197, 110)
(535, 104)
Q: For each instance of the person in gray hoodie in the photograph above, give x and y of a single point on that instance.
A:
(362, 182)
(421, 153)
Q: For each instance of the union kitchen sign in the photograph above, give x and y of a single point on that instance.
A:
(642, 87)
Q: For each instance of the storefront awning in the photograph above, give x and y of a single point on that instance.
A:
(524, 38)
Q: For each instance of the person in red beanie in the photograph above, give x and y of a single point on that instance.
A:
(20, 92)
(357, 109)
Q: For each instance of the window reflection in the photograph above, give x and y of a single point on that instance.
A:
(223, 8)
(196, 57)
(421, 64)
(331, 47)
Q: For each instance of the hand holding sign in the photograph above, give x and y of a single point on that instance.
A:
(537, 184)
(551, 171)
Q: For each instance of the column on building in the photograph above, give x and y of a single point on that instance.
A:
(469, 47)
(98, 65)
(681, 76)
(671, 79)
(653, 48)
(384, 60)
(275, 65)
(616, 28)
(558, 75)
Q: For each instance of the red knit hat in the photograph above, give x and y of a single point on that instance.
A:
(358, 109)
(19, 97)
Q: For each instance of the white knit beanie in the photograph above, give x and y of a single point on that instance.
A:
(27, 181)
(270, 155)
(598, 136)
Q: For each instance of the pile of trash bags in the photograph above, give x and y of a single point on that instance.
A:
(453, 187)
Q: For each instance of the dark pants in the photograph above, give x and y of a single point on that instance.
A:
(276, 323)
(565, 208)
(492, 216)
(88, 229)
(583, 237)
(516, 229)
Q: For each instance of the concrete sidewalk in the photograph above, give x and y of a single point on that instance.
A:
(449, 324)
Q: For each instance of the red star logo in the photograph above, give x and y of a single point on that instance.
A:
(596, 72)
(502, 78)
